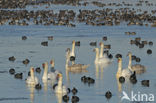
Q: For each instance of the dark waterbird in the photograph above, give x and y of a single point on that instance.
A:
(150, 43)
(118, 56)
(65, 98)
(24, 38)
(77, 43)
(44, 43)
(108, 94)
(134, 57)
(72, 58)
(26, 61)
(50, 37)
(145, 83)
(38, 86)
(133, 78)
(149, 51)
(12, 71)
(38, 69)
(12, 58)
(137, 59)
(18, 75)
(104, 38)
(93, 44)
(88, 80)
(121, 79)
(75, 99)
(74, 90)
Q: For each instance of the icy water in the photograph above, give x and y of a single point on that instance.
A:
(16, 91)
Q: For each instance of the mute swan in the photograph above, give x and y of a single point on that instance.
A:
(74, 67)
(48, 76)
(103, 59)
(32, 80)
(125, 72)
(137, 67)
(60, 89)
(45, 74)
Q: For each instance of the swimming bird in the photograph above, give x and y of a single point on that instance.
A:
(60, 88)
(74, 67)
(32, 79)
(45, 74)
(12, 71)
(48, 75)
(126, 73)
(101, 60)
(137, 67)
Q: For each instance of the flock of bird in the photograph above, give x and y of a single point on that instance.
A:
(102, 57)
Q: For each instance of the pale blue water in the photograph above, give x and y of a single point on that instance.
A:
(105, 79)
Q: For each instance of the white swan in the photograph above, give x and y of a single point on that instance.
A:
(48, 76)
(125, 72)
(137, 67)
(103, 59)
(32, 79)
(74, 67)
(60, 89)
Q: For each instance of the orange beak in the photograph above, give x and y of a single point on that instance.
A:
(100, 44)
(51, 62)
(118, 60)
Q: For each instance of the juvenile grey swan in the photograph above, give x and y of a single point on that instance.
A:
(137, 67)
(74, 67)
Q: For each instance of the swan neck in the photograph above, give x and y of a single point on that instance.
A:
(67, 62)
(45, 71)
(130, 62)
(119, 66)
(32, 75)
(73, 48)
(60, 82)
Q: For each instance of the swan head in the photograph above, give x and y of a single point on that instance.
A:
(45, 65)
(119, 60)
(31, 69)
(101, 44)
(59, 75)
(73, 42)
(129, 54)
(95, 49)
(52, 62)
